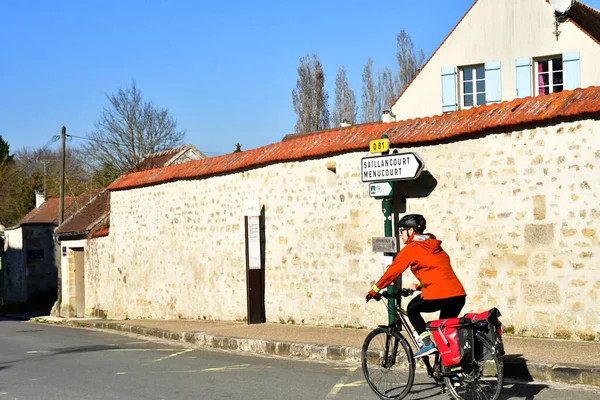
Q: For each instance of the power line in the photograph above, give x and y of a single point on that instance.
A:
(95, 140)
(121, 144)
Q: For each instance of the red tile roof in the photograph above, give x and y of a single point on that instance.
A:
(47, 213)
(102, 229)
(577, 103)
(88, 216)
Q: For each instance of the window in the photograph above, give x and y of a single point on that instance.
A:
(549, 75)
(473, 86)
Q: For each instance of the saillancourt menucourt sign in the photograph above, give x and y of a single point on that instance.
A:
(391, 167)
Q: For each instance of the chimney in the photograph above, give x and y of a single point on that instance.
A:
(40, 198)
(345, 123)
(388, 116)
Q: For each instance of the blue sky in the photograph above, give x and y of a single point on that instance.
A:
(225, 70)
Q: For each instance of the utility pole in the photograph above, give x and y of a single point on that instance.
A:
(61, 217)
(61, 203)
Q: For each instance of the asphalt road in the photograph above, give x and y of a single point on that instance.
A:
(49, 362)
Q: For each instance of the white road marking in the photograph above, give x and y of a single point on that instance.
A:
(140, 350)
(121, 373)
(342, 383)
(173, 355)
(223, 369)
(38, 352)
(230, 368)
(140, 342)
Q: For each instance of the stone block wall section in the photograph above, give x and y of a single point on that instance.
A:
(518, 212)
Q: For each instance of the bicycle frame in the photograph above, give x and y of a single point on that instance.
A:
(401, 322)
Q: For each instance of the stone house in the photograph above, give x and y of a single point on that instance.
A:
(92, 221)
(511, 188)
(501, 50)
(31, 255)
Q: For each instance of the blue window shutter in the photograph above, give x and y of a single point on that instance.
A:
(523, 77)
(571, 71)
(449, 89)
(493, 83)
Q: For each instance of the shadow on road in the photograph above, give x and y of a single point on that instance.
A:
(527, 391)
(422, 391)
(59, 352)
(518, 367)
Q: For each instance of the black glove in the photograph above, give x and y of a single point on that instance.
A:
(375, 296)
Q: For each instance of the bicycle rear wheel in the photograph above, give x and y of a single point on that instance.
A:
(388, 364)
(484, 381)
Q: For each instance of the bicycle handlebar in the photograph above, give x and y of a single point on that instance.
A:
(404, 292)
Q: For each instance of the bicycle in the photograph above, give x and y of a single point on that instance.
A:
(389, 365)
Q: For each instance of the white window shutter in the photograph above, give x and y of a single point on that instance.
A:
(571, 71)
(523, 77)
(493, 83)
(449, 89)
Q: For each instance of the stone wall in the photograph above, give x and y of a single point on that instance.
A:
(518, 213)
(15, 287)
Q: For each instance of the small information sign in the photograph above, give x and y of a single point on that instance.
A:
(380, 189)
(384, 244)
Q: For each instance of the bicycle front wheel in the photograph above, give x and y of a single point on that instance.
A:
(388, 364)
(484, 380)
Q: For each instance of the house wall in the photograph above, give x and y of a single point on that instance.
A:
(67, 262)
(517, 212)
(15, 287)
(41, 263)
(498, 31)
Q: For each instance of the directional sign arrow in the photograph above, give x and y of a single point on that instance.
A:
(391, 167)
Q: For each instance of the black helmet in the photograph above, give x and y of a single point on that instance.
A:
(416, 221)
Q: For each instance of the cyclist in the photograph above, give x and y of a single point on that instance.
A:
(440, 288)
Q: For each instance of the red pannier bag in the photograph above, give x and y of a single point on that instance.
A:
(489, 323)
(454, 340)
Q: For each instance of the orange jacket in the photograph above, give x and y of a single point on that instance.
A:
(430, 264)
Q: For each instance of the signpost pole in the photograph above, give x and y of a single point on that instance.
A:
(381, 172)
(387, 213)
(387, 228)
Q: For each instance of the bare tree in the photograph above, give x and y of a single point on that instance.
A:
(42, 166)
(309, 97)
(386, 89)
(130, 128)
(369, 95)
(409, 62)
(344, 106)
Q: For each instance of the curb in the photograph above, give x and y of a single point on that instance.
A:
(515, 369)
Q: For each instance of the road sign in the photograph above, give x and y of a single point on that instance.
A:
(391, 167)
(380, 189)
(384, 244)
(379, 145)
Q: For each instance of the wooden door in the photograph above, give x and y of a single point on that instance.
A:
(79, 283)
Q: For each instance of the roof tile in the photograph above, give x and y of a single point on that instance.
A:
(47, 213)
(88, 216)
(579, 102)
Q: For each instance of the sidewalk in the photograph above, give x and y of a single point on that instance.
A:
(526, 359)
